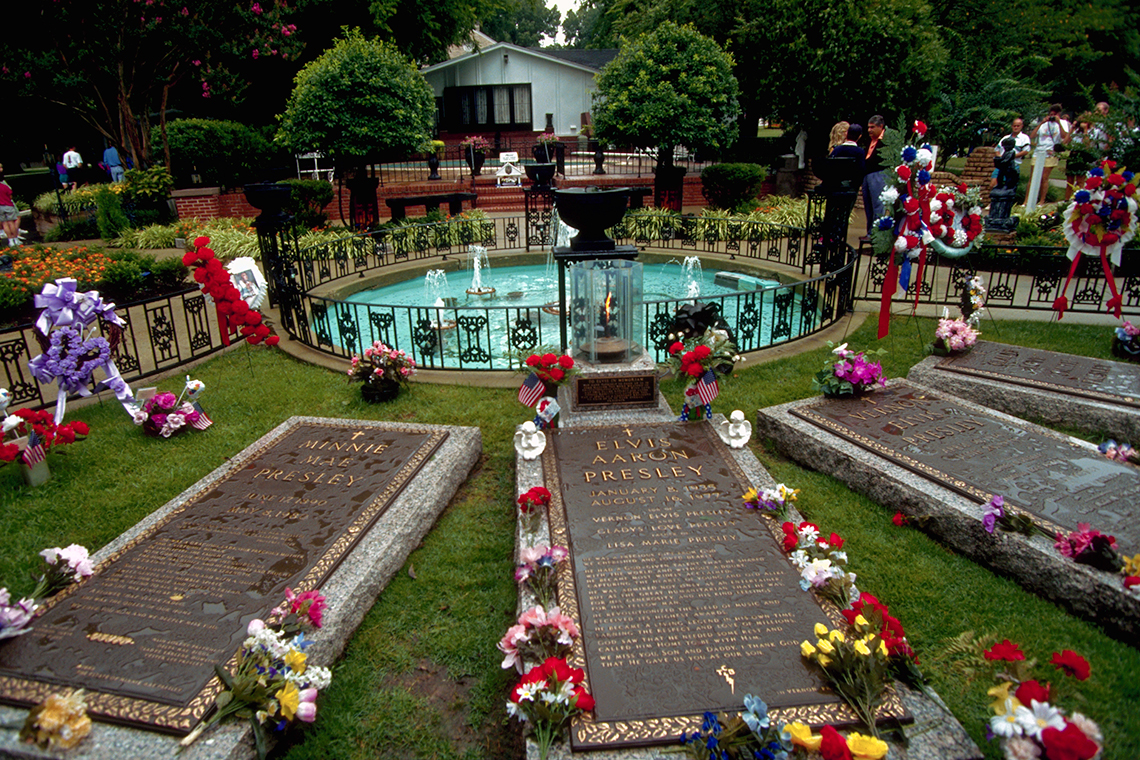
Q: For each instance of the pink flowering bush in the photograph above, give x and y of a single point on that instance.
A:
(380, 365)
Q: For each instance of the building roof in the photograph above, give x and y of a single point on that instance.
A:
(593, 59)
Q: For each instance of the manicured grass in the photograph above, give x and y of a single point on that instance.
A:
(421, 677)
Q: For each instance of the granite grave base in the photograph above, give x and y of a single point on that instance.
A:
(950, 507)
(938, 736)
(1096, 395)
(351, 589)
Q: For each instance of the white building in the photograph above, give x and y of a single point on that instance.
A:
(504, 88)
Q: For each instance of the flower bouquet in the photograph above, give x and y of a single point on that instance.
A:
(851, 374)
(538, 571)
(1126, 342)
(532, 507)
(750, 734)
(957, 336)
(273, 685)
(382, 370)
(774, 500)
(476, 144)
(552, 369)
(548, 698)
(821, 562)
(62, 567)
(59, 722)
(703, 347)
(1025, 720)
(540, 633)
(42, 433)
(164, 415)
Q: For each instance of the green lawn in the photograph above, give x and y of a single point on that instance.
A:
(421, 677)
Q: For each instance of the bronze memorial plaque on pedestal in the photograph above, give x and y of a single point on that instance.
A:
(685, 599)
(144, 633)
(625, 391)
(1097, 379)
(978, 455)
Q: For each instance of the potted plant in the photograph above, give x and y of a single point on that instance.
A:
(545, 150)
(382, 370)
(475, 150)
(434, 153)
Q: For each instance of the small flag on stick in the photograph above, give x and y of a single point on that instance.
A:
(34, 452)
(203, 421)
(707, 387)
(531, 390)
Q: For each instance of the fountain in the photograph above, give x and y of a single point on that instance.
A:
(435, 291)
(691, 274)
(477, 257)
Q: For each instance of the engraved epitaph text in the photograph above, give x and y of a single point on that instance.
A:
(143, 635)
(621, 390)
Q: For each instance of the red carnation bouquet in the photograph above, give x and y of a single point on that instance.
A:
(234, 314)
(23, 422)
(549, 697)
(552, 369)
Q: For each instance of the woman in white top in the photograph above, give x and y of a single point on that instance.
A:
(1052, 131)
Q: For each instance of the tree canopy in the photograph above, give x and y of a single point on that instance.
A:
(522, 22)
(113, 63)
(670, 87)
(359, 98)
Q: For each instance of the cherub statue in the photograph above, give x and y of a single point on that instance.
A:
(736, 431)
(529, 441)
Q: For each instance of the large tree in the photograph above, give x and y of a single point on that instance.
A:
(361, 97)
(522, 22)
(114, 63)
(423, 29)
(670, 87)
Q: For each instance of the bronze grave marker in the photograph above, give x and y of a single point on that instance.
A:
(598, 391)
(685, 599)
(977, 454)
(144, 633)
(1097, 379)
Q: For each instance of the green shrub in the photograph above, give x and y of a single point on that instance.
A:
(154, 183)
(168, 275)
(109, 215)
(225, 153)
(307, 204)
(123, 277)
(84, 228)
(732, 187)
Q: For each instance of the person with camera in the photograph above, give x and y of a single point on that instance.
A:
(1047, 135)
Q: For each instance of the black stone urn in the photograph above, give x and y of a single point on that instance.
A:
(540, 174)
(433, 165)
(270, 198)
(475, 161)
(592, 211)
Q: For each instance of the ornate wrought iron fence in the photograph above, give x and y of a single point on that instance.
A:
(161, 334)
(1021, 277)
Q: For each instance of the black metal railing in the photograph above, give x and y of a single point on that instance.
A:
(161, 334)
(1016, 277)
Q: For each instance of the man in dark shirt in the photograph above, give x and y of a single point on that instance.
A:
(873, 177)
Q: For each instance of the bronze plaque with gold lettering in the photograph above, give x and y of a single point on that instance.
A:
(1097, 379)
(144, 633)
(1056, 482)
(625, 391)
(685, 599)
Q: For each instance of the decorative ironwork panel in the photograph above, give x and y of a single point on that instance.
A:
(381, 322)
(425, 336)
(321, 321)
(13, 359)
(470, 340)
(347, 326)
(163, 336)
(748, 322)
(522, 335)
(782, 324)
(809, 306)
(510, 232)
(1130, 290)
(658, 331)
(197, 323)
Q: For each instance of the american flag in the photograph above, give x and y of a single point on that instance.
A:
(34, 451)
(707, 387)
(531, 390)
(203, 421)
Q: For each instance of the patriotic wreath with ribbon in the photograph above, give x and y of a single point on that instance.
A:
(921, 217)
(1100, 221)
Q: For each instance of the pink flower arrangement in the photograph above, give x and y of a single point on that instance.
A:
(162, 415)
(954, 335)
(852, 374)
(540, 633)
(381, 364)
(538, 570)
(1090, 547)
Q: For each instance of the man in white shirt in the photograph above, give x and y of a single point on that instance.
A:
(72, 161)
(1047, 134)
(1021, 145)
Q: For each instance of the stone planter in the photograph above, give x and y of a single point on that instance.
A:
(475, 161)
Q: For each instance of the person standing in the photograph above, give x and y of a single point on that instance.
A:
(1049, 133)
(873, 177)
(1021, 146)
(73, 162)
(9, 214)
(114, 163)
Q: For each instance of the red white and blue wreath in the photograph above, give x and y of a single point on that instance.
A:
(1099, 222)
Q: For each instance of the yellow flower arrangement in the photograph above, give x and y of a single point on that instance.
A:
(60, 721)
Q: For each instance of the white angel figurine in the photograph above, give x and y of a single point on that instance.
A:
(736, 431)
(529, 441)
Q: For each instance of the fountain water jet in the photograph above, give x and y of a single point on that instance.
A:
(477, 258)
(691, 273)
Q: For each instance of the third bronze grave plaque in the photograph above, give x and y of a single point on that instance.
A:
(1097, 379)
(977, 454)
(624, 390)
(144, 633)
(685, 599)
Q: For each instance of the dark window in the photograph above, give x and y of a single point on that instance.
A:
(505, 106)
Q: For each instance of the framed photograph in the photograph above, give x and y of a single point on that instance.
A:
(248, 279)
